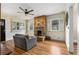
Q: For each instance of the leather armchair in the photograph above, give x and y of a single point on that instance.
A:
(23, 42)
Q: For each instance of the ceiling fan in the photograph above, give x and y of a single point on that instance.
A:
(25, 11)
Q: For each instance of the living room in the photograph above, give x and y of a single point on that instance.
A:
(42, 23)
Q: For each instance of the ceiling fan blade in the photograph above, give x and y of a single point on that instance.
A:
(30, 10)
(21, 9)
(31, 14)
(20, 12)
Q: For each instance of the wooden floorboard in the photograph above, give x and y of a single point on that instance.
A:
(42, 48)
(75, 49)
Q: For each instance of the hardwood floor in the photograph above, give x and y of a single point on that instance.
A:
(42, 48)
(4, 50)
(75, 49)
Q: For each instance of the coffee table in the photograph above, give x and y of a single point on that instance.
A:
(42, 37)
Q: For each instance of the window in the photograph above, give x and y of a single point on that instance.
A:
(55, 25)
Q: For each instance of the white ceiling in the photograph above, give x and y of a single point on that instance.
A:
(39, 8)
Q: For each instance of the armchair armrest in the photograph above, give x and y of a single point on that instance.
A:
(31, 42)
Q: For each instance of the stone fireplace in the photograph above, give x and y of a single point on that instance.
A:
(40, 26)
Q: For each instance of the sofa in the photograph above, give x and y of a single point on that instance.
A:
(24, 42)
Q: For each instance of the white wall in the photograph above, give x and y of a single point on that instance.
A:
(75, 23)
(57, 35)
(31, 23)
(8, 21)
(78, 32)
(78, 29)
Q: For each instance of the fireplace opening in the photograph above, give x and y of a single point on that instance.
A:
(39, 33)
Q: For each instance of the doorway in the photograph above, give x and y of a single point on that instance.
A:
(2, 29)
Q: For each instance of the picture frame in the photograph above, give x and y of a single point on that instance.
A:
(17, 26)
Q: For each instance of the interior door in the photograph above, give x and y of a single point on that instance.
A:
(2, 29)
(71, 29)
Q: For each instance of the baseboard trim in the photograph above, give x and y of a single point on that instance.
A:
(58, 40)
